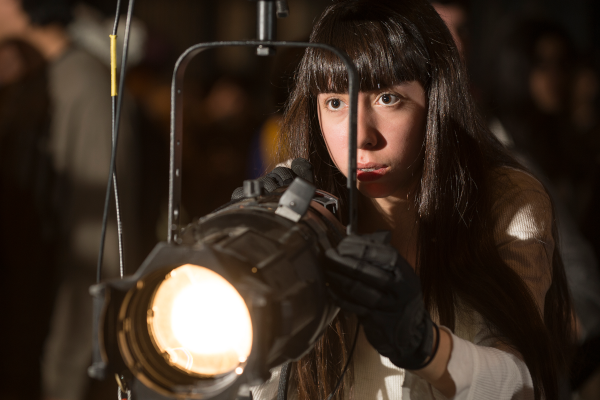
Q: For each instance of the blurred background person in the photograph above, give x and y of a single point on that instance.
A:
(264, 141)
(79, 142)
(455, 14)
(585, 112)
(27, 218)
(223, 117)
(529, 98)
(529, 93)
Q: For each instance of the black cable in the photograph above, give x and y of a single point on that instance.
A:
(117, 118)
(117, 15)
(337, 386)
(117, 203)
(284, 378)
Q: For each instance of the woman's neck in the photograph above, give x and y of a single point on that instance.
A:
(396, 214)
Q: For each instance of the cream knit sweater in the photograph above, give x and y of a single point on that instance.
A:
(481, 366)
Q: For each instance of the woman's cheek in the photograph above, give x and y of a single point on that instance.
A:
(337, 144)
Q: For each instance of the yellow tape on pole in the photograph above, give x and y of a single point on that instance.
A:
(113, 65)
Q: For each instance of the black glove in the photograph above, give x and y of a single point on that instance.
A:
(369, 278)
(281, 176)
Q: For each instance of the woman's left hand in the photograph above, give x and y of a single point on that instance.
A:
(371, 279)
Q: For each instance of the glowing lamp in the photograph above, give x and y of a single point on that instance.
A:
(185, 303)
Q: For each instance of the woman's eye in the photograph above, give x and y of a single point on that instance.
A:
(388, 99)
(335, 104)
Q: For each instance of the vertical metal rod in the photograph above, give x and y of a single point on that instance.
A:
(176, 145)
(352, 149)
(265, 20)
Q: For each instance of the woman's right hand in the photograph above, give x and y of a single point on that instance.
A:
(281, 176)
(372, 280)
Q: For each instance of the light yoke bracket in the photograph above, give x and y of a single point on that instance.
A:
(265, 30)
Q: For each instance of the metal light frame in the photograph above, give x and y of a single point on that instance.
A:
(176, 144)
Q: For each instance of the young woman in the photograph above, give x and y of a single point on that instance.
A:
(474, 231)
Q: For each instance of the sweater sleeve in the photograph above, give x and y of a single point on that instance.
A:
(522, 217)
(481, 372)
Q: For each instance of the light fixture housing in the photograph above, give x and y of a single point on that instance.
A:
(266, 255)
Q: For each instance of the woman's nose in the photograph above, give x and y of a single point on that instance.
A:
(366, 129)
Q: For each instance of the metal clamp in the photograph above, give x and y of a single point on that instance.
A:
(295, 201)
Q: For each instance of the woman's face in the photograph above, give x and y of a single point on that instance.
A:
(391, 128)
(548, 81)
(12, 67)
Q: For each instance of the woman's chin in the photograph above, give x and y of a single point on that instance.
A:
(374, 190)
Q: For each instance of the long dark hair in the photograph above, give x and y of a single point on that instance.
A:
(394, 41)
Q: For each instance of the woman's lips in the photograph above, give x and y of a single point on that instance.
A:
(370, 172)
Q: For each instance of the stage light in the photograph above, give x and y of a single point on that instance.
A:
(236, 293)
(242, 292)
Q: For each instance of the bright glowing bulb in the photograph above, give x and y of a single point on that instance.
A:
(201, 321)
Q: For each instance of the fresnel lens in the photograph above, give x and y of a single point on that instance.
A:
(185, 303)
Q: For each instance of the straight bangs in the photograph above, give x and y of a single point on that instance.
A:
(385, 52)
